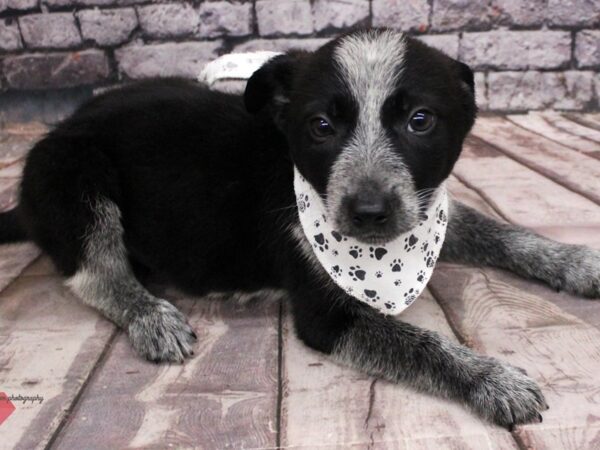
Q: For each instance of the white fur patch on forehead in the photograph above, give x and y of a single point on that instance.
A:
(370, 64)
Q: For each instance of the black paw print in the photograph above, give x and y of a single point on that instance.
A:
(397, 282)
(410, 242)
(390, 305)
(430, 258)
(379, 274)
(396, 265)
(317, 224)
(321, 242)
(357, 273)
(338, 237)
(421, 276)
(371, 295)
(336, 271)
(377, 252)
(441, 217)
(355, 251)
(409, 296)
(436, 237)
(424, 246)
(303, 202)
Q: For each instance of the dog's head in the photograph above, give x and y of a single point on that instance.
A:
(375, 121)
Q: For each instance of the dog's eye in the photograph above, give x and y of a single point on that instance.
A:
(421, 121)
(320, 128)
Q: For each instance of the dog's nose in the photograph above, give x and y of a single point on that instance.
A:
(369, 211)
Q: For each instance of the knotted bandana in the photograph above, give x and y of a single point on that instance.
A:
(388, 277)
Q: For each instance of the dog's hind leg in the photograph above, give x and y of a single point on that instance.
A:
(473, 238)
(104, 280)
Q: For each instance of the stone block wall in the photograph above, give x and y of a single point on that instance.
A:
(531, 54)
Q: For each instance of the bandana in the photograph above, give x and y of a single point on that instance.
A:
(388, 277)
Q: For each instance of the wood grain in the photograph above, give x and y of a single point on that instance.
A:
(557, 349)
(527, 198)
(555, 337)
(539, 124)
(327, 405)
(49, 344)
(577, 171)
(223, 398)
(589, 120)
(572, 124)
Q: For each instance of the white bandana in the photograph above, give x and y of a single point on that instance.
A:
(388, 277)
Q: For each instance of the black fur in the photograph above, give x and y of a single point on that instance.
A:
(167, 176)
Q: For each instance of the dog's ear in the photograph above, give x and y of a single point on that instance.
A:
(271, 84)
(466, 76)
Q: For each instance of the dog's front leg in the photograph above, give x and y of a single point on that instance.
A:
(473, 238)
(357, 335)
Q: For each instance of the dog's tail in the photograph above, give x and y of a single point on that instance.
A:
(11, 229)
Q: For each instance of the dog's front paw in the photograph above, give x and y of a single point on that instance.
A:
(159, 332)
(505, 395)
(579, 272)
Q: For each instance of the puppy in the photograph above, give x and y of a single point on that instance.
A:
(169, 177)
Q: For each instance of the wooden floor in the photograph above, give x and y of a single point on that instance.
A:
(252, 384)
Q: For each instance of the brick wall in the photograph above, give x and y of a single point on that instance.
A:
(529, 54)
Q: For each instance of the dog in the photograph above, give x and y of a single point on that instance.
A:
(170, 177)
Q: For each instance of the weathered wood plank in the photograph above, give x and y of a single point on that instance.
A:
(524, 322)
(539, 124)
(572, 125)
(588, 120)
(14, 148)
(224, 397)
(577, 171)
(529, 199)
(327, 405)
(557, 349)
(14, 258)
(49, 344)
(584, 309)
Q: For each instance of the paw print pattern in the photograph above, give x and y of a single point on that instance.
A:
(437, 237)
(321, 243)
(355, 251)
(338, 237)
(379, 274)
(421, 276)
(390, 305)
(410, 296)
(410, 242)
(430, 258)
(377, 252)
(317, 224)
(396, 265)
(357, 273)
(424, 247)
(336, 271)
(441, 217)
(397, 282)
(371, 295)
(303, 202)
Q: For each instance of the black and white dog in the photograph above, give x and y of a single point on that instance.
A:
(169, 177)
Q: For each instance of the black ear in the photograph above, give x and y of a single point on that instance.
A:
(270, 85)
(466, 75)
